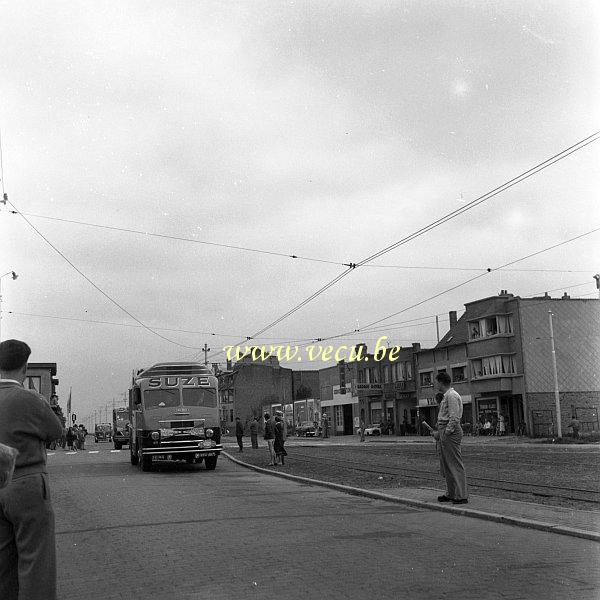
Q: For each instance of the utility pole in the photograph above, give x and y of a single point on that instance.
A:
(206, 350)
(555, 374)
(437, 327)
(597, 278)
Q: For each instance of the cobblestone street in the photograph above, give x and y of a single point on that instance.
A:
(183, 532)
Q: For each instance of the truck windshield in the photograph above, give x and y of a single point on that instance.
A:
(206, 397)
(161, 398)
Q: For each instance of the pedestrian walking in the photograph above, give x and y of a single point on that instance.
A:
(575, 426)
(70, 438)
(254, 432)
(270, 438)
(501, 425)
(449, 435)
(362, 427)
(239, 433)
(325, 426)
(27, 538)
(279, 442)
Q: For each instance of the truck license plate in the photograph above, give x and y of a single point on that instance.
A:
(209, 454)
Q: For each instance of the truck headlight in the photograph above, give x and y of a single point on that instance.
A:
(209, 433)
(155, 436)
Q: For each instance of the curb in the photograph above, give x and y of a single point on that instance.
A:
(463, 512)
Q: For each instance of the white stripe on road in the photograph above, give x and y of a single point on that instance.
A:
(51, 453)
(93, 451)
(115, 451)
(70, 452)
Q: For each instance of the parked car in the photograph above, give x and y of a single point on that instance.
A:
(373, 430)
(306, 430)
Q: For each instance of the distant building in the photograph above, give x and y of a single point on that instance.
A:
(499, 357)
(376, 390)
(41, 377)
(251, 387)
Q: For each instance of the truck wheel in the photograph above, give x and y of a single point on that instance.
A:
(190, 459)
(133, 455)
(146, 463)
(210, 462)
(118, 445)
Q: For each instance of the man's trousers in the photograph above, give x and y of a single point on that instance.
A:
(451, 464)
(27, 543)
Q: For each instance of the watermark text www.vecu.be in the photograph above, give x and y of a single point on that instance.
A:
(314, 352)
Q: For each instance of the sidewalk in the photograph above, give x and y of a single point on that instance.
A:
(566, 521)
(509, 440)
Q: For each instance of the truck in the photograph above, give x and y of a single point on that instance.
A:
(174, 408)
(121, 427)
(102, 432)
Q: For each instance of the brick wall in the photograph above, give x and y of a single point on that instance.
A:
(576, 325)
(585, 404)
(257, 385)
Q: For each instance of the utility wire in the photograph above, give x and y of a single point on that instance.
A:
(268, 252)
(449, 216)
(98, 288)
(368, 328)
(487, 196)
(178, 238)
(512, 262)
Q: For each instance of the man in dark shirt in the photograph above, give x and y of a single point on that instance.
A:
(239, 433)
(27, 544)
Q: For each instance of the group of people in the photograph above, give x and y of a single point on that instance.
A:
(75, 437)
(490, 424)
(274, 435)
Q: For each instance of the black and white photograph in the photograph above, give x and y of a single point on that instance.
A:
(300, 300)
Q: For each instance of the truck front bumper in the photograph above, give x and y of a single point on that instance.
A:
(164, 450)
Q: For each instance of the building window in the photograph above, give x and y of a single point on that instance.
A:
(409, 371)
(361, 376)
(34, 383)
(231, 415)
(490, 326)
(386, 374)
(375, 416)
(494, 365)
(458, 374)
(374, 375)
(426, 378)
(339, 417)
(400, 371)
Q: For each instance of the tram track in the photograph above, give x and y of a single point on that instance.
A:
(518, 487)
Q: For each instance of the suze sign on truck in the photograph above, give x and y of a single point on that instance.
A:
(174, 415)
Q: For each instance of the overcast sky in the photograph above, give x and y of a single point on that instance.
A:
(321, 129)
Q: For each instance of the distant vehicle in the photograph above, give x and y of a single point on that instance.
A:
(306, 430)
(175, 412)
(373, 430)
(121, 427)
(103, 432)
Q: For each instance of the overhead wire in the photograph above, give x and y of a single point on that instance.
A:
(449, 216)
(367, 328)
(99, 289)
(267, 252)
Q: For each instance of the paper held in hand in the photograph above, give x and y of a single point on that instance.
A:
(8, 458)
(428, 426)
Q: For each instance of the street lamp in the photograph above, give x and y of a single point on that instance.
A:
(14, 276)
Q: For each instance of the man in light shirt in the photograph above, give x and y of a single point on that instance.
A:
(449, 434)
